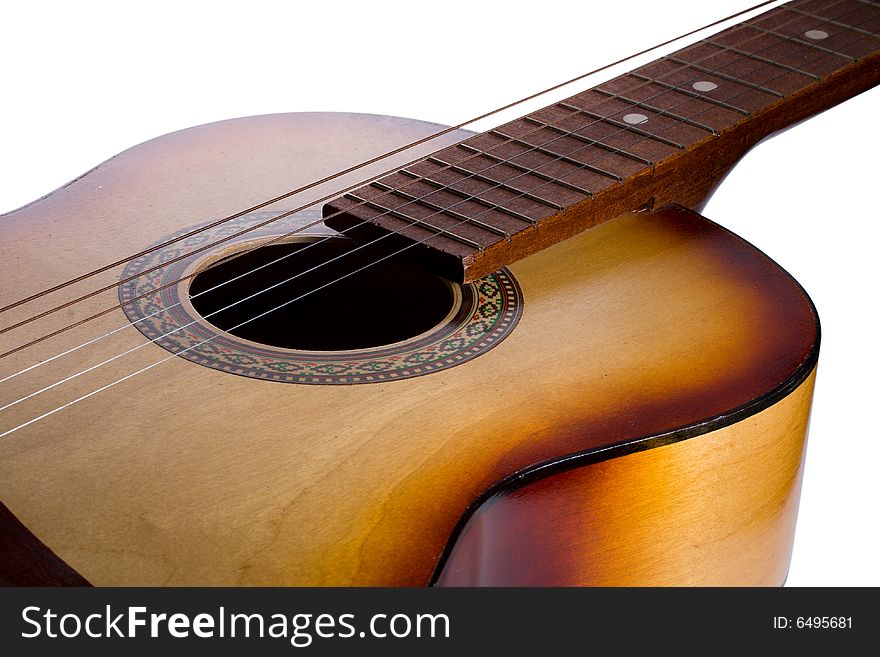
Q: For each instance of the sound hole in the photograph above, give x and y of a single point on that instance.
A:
(323, 306)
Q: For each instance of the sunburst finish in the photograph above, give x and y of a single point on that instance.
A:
(659, 326)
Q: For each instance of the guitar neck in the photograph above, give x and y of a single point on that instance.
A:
(667, 132)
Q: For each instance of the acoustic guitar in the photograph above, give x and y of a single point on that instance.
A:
(348, 349)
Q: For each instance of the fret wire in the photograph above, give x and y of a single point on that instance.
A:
(652, 108)
(550, 179)
(485, 179)
(103, 289)
(556, 180)
(577, 109)
(500, 160)
(533, 172)
(440, 209)
(686, 92)
(415, 222)
(627, 127)
(803, 43)
(619, 124)
(779, 63)
(448, 130)
(723, 76)
(776, 63)
(731, 78)
(831, 22)
(760, 59)
(835, 4)
(686, 64)
(574, 108)
(462, 195)
(525, 170)
(128, 376)
(558, 156)
(594, 142)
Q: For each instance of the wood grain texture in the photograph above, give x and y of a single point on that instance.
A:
(188, 475)
(715, 510)
(685, 176)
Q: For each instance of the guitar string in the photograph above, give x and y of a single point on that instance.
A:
(94, 340)
(105, 288)
(270, 310)
(417, 180)
(144, 369)
(115, 284)
(671, 88)
(184, 256)
(260, 292)
(374, 160)
(140, 274)
(478, 154)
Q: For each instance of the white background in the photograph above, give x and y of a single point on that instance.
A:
(82, 81)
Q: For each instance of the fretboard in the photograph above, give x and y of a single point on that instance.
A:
(664, 133)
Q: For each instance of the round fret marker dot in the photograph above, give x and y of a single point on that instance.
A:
(816, 35)
(704, 85)
(635, 119)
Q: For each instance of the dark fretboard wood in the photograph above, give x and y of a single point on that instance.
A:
(665, 132)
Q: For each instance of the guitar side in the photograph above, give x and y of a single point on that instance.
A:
(716, 510)
(711, 503)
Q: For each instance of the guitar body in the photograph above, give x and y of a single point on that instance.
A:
(633, 412)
